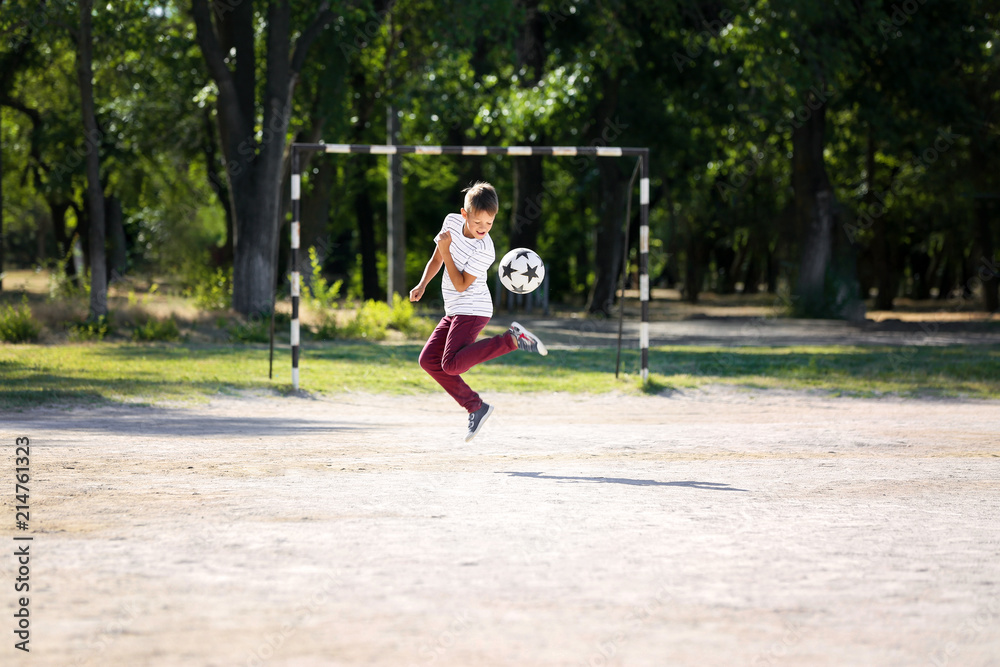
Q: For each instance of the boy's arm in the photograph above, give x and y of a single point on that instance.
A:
(460, 279)
(431, 270)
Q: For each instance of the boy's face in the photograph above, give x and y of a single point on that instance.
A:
(477, 223)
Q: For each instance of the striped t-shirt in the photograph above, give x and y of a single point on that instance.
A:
(472, 256)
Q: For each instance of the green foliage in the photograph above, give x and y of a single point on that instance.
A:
(157, 330)
(321, 297)
(403, 318)
(714, 89)
(211, 290)
(327, 329)
(61, 286)
(252, 330)
(89, 329)
(370, 322)
(319, 294)
(17, 324)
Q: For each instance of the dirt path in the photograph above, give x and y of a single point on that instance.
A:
(717, 527)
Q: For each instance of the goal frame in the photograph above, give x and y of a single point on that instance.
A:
(298, 149)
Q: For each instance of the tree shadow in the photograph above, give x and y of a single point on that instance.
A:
(709, 486)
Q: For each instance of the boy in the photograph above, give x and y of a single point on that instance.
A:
(465, 249)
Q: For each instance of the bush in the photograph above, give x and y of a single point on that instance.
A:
(17, 325)
(86, 330)
(211, 290)
(254, 330)
(370, 322)
(321, 297)
(319, 294)
(327, 328)
(404, 319)
(153, 330)
(62, 286)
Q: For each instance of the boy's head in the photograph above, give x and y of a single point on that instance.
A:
(481, 206)
(481, 198)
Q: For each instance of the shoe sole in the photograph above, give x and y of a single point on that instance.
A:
(542, 350)
(470, 436)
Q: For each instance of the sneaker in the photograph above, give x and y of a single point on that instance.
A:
(526, 340)
(477, 419)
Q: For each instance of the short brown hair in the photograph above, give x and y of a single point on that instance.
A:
(481, 196)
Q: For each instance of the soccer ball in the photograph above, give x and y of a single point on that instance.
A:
(521, 270)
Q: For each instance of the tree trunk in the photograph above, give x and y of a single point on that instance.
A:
(365, 214)
(881, 256)
(529, 192)
(826, 288)
(610, 239)
(694, 267)
(316, 212)
(986, 267)
(254, 167)
(1, 203)
(922, 268)
(98, 266)
(218, 184)
(116, 233)
(395, 214)
(64, 242)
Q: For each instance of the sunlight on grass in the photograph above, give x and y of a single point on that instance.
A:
(34, 375)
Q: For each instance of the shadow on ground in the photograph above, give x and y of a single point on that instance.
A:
(708, 486)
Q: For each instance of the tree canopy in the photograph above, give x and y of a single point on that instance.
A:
(838, 150)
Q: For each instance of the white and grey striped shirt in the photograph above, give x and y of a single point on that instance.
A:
(472, 256)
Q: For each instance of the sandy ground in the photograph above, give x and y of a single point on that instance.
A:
(714, 527)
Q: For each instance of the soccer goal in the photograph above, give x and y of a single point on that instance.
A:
(298, 149)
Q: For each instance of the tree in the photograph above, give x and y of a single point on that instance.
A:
(254, 165)
(95, 192)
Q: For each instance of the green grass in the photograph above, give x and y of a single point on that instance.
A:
(32, 375)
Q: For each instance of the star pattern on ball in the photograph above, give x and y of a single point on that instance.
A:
(523, 253)
(508, 270)
(531, 272)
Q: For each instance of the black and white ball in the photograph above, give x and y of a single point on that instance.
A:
(521, 270)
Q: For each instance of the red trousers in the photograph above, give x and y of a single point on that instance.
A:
(451, 350)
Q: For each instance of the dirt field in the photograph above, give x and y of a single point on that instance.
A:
(716, 527)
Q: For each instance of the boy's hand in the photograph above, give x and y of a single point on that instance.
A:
(443, 240)
(416, 293)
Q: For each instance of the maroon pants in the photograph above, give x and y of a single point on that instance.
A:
(451, 350)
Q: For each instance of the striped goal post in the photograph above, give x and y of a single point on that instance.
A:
(298, 149)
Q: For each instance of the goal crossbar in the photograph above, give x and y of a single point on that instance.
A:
(298, 149)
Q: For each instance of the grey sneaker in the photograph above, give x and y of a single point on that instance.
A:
(526, 340)
(477, 419)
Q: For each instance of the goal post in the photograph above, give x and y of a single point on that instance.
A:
(298, 149)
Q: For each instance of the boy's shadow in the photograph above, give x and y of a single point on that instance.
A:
(711, 486)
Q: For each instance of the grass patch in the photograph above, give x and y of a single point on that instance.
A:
(105, 371)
